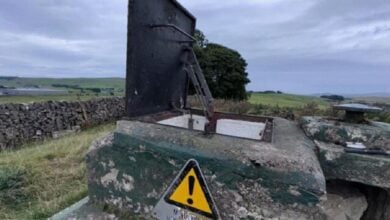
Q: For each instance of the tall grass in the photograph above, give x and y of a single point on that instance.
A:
(246, 107)
(291, 112)
(42, 179)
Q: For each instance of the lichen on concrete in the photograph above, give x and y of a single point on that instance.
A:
(370, 170)
(331, 136)
(247, 178)
(372, 135)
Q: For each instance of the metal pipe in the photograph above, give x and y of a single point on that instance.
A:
(173, 27)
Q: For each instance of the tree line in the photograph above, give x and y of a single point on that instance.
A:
(224, 69)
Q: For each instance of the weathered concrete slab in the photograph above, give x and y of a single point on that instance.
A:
(331, 137)
(83, 210)
(358, 108)
(381, 125)
(355, 113)
(373, 135)
(248, 178)
(367, 169)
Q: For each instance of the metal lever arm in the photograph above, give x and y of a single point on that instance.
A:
(173, 27)
(195, 73)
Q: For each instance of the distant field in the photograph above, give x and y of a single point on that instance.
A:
(117, 83)
(373, 100)
(281, 100)
(286, 100)
(78, 88)
(30, 99)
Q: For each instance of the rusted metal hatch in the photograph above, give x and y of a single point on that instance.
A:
(161, 64)
(158, 30)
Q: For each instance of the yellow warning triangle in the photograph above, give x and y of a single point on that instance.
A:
(189, 191)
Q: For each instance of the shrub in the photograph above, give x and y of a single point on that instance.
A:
(309, 109)
(337, 98)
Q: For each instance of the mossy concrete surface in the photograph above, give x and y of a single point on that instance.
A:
(373, 135)
(372, 170)
(129, 171)
(331, 137)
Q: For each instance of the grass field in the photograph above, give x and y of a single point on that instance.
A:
(73, 86)
(42, 179)
(373, 100)
(281, 100)
(117, 83)
(286, 100)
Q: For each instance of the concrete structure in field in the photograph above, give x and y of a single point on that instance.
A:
(255, 167)
(355, 113)
(251, 164)
(129, 172)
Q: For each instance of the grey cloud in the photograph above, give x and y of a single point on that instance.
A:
(63, 38)
(330, 45)
(306, 46)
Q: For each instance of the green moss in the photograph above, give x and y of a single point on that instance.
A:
(321, 134)
(157, 172)
(369, 170)
(342, 132)
(286, 100)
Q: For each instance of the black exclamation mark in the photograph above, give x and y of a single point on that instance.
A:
(191, 182)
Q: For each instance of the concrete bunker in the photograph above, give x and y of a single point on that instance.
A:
(256, 167)
(252, 164)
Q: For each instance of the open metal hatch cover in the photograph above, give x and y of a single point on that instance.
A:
(158, 30)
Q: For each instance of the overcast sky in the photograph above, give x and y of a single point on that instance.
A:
(300, 46)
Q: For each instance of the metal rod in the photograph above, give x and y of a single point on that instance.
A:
(368, 151)
(201, 78)
(173, 27)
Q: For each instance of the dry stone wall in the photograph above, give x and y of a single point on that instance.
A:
(21, 123)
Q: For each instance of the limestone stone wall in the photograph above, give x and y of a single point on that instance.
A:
(21, 123)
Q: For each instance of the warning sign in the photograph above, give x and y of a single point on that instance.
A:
(190, 192)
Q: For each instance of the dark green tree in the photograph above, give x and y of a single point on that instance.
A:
(224, 69)
(201, 40)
